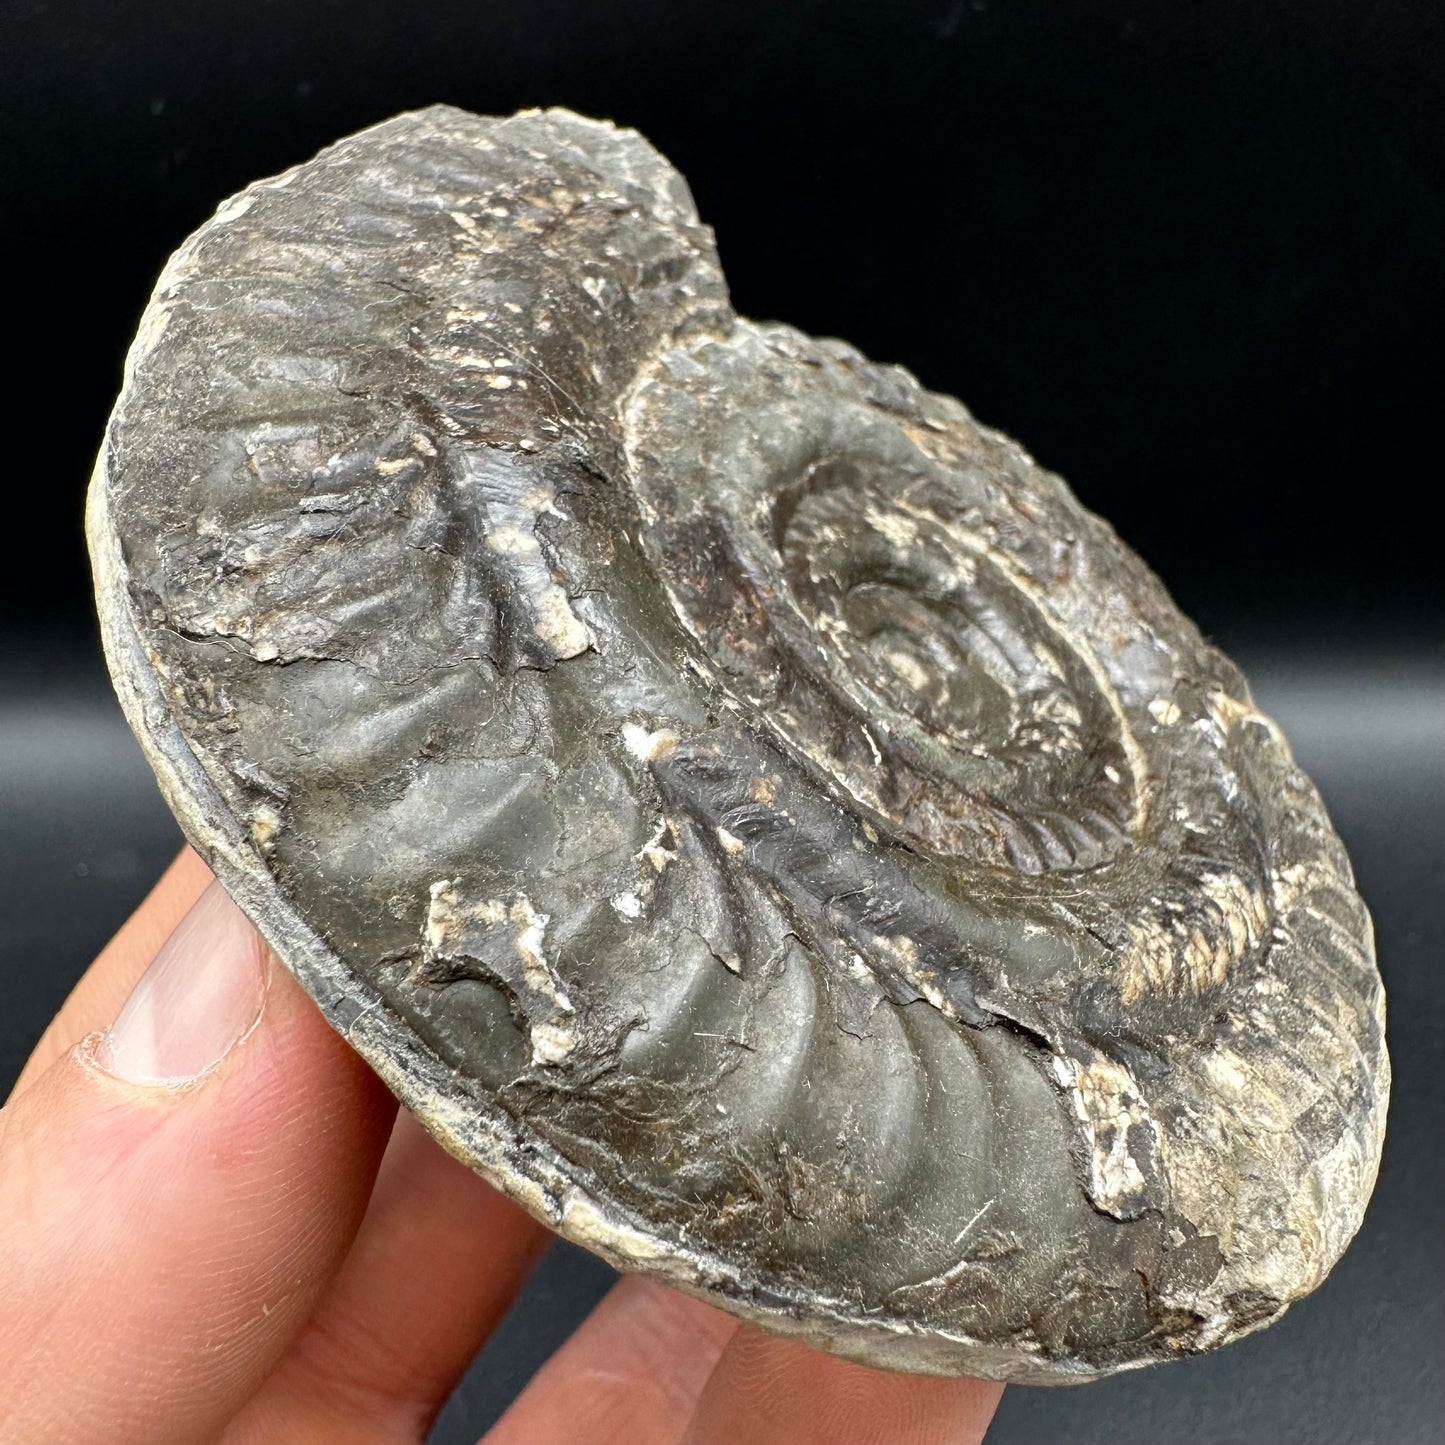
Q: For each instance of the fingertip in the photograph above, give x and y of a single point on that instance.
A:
(99, 995)
(766, 1388)
(629, 1375)
(202, 994)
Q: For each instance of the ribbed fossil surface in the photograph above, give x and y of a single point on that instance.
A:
(745, 807)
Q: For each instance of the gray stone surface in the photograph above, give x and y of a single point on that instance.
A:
(746, 808)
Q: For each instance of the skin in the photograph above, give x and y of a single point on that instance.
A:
(217, 1262)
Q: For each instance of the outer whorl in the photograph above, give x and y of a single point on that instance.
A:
(748, 810)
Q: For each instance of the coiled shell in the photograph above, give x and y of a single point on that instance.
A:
(746, 808)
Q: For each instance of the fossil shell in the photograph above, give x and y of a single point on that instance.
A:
(748, 810)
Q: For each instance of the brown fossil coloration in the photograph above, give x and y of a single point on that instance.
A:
(745, 807)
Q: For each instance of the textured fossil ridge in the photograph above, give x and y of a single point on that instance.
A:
(747, 809)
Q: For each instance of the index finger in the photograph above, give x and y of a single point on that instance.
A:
(765, 1389)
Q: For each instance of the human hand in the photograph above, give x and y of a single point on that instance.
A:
(214, 1226)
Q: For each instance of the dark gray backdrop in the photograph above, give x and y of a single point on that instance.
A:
(1193, 260)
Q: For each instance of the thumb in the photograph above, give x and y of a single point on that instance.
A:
(173, 1194)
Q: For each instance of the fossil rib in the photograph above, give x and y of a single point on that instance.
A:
(746, 808)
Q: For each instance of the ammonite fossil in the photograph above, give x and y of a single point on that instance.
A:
(746, 808)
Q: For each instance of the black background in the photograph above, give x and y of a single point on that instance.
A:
(1193, 259)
